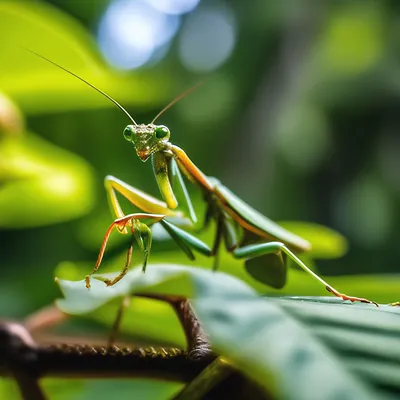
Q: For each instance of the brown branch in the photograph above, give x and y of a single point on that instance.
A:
(198, 344)
(17, 357)
(45, 318)
(197, 341)
(19, 352)
(27, 361)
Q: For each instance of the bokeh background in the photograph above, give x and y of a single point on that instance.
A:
(298, 115)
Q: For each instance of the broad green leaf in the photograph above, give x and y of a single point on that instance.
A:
(326, 243)
(39, 87)
(356, 332)
(258, 336)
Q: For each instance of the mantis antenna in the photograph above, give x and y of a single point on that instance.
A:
(176, 99)
(87, 83)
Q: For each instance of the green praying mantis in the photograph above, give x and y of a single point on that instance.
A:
(264, 245)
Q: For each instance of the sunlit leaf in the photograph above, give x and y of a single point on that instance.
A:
(41, 184)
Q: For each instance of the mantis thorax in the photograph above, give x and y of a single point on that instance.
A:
(147, 138)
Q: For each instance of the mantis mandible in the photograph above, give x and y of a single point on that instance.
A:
(247, 234)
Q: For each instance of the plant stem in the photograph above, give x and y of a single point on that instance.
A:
(212, 375)
(198, 344)
(28, 361)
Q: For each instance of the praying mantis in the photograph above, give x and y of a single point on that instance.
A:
(264, 245)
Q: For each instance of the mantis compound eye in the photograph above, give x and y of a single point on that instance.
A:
(161, 132)
(128, 133)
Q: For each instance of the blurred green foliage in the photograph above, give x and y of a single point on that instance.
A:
(41, 183)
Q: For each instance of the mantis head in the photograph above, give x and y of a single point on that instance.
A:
(147, 139)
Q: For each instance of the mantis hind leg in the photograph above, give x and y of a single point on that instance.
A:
(255, 264)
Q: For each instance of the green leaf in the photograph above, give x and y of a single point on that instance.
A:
(326, 243)
(357, 333)
(260, 337)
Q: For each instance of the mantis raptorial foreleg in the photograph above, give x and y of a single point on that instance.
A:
(141, 233)
(146, 203)
(138, 198)
(143, 236)
(156, 208)
(111, 282)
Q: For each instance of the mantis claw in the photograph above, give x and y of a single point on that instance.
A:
(87, 281)
(351, 298)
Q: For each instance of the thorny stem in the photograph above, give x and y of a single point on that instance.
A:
(28, 361)
(197, 341)
(198, 345)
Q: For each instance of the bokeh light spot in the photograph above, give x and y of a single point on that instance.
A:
(131, 30)
(174, 6)
(207, 39)
(353, 40)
